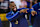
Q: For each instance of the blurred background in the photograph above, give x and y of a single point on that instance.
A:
(4, 9)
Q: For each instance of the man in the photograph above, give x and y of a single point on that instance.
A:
(36, 15)
(16, 18)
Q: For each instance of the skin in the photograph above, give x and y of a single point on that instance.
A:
(33, 13)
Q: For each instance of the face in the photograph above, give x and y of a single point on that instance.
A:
(13, 6)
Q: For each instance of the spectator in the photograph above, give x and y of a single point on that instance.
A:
(4, 4)
(35, 1)
(23, 4)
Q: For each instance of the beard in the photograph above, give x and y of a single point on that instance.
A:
(14, 10)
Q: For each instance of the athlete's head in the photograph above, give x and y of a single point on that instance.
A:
(13, 6)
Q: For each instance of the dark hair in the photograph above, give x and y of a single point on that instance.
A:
(11, 2)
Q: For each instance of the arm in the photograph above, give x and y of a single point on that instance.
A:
(32, 8)
(33, 12)
(23, 9)
(30, 4)
(13, 17)
(8, 13)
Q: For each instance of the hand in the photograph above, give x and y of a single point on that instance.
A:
(24, 10)
(33, 13)
(21, 11)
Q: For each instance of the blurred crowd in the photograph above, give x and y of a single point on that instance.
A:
(19, 3)
(3, 4)
(24, 3)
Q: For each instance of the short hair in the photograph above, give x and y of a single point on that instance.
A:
(11, 2)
